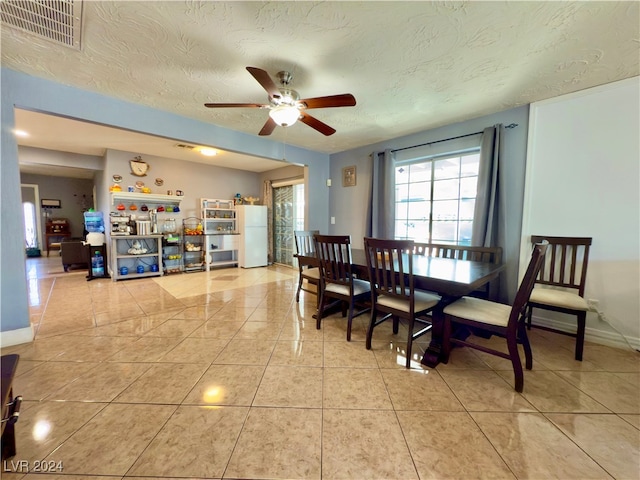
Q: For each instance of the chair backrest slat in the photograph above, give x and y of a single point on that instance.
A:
(566, 263)
(527, 283)
(334, 254)
(304, 242)
(390, 265)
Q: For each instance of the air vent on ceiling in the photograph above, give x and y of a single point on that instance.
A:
(57, 20)
(185, 146)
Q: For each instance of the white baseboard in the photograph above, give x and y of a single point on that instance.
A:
(16, 337)
(602, 337)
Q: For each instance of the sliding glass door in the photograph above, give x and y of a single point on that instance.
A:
(288, 216)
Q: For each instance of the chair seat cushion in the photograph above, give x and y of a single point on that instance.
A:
(558, 298)
(480, 310)
(423, 301)
(311, 273)
(359, 287)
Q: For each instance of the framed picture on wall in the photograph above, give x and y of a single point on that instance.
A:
(349, 176)
(50, 203)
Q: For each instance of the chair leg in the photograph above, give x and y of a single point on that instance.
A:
(396, 324)
(320, 311)
(409, 341)
(524, 338)
(528, 312)
(350, 320)
(582, 318)
(372, 324)
(512, 345)
(299, 288)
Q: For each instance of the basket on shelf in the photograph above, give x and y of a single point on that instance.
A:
(192, 226)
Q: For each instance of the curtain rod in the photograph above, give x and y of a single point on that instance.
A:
(512, 125)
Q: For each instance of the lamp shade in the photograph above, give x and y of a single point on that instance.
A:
(284, 115)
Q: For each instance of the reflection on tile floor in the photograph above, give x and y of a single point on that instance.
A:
(223, 375)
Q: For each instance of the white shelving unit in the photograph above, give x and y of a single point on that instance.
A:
(221, 236)
(120, 257)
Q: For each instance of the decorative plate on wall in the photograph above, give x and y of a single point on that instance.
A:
(159, 182)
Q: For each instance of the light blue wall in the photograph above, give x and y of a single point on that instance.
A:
(349, 204)
(24, 91)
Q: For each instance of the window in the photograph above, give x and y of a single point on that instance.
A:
(435, 198)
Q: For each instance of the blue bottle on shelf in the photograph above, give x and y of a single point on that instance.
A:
(97, 265)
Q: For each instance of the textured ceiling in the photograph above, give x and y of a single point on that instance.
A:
(412, 66)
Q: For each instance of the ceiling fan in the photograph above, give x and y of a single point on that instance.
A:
(286, 107)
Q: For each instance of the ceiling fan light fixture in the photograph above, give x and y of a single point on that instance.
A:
(285, 115)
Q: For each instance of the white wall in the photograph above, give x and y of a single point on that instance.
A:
(582, 179)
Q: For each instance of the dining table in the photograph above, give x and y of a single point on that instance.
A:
(448, 277)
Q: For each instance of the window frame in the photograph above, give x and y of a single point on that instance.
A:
(432, 159)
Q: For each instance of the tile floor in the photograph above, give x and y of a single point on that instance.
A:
(222, 375)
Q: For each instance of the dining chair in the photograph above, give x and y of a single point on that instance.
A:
(497, 319)
(390, 265)
(491, 255)
(308, 264)
(337, 280)
(561, 283)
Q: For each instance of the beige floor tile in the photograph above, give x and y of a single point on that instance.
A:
(302, 329)
(111, 441)
(533, 447)
(102, 383)
(278, 443)
(615, 392)
(419, 390)
(348, 354)
(364, 444)
(631, 419)
(226, 385)
(290, 387)
(26, 365)
(258, 330)
(433, 437)
(555, 358)
(175, 328)
(484, 391)
(246, 352)
(218, 329)
(93, 349)
(203, 450)
(607, 439)
(146, 349)
(45, 379)
(197, 312)
(298, 353)
(334, 328)
(392, 354)
(44, 426)
(232, 314)
(276, 315)
(195, 350)
(549, 392)
(355, 388)
(612, 359)
(163, 383)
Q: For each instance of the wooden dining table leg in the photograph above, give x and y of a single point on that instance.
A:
(433, 353)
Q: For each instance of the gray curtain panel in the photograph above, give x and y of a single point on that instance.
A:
(381, 213)
(489, 219)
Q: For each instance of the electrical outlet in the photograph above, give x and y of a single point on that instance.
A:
(333, 220)
(593, 303)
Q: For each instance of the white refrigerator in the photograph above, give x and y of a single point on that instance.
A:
(252, 227)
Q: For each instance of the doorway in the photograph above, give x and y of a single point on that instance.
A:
(288, 216)
(31, 215)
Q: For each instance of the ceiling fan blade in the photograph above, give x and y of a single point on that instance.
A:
(344, 100)
(233, 105)
(323, 128)
(268, 127)
(265, 80)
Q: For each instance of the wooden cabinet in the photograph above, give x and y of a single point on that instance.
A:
(56, 229)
